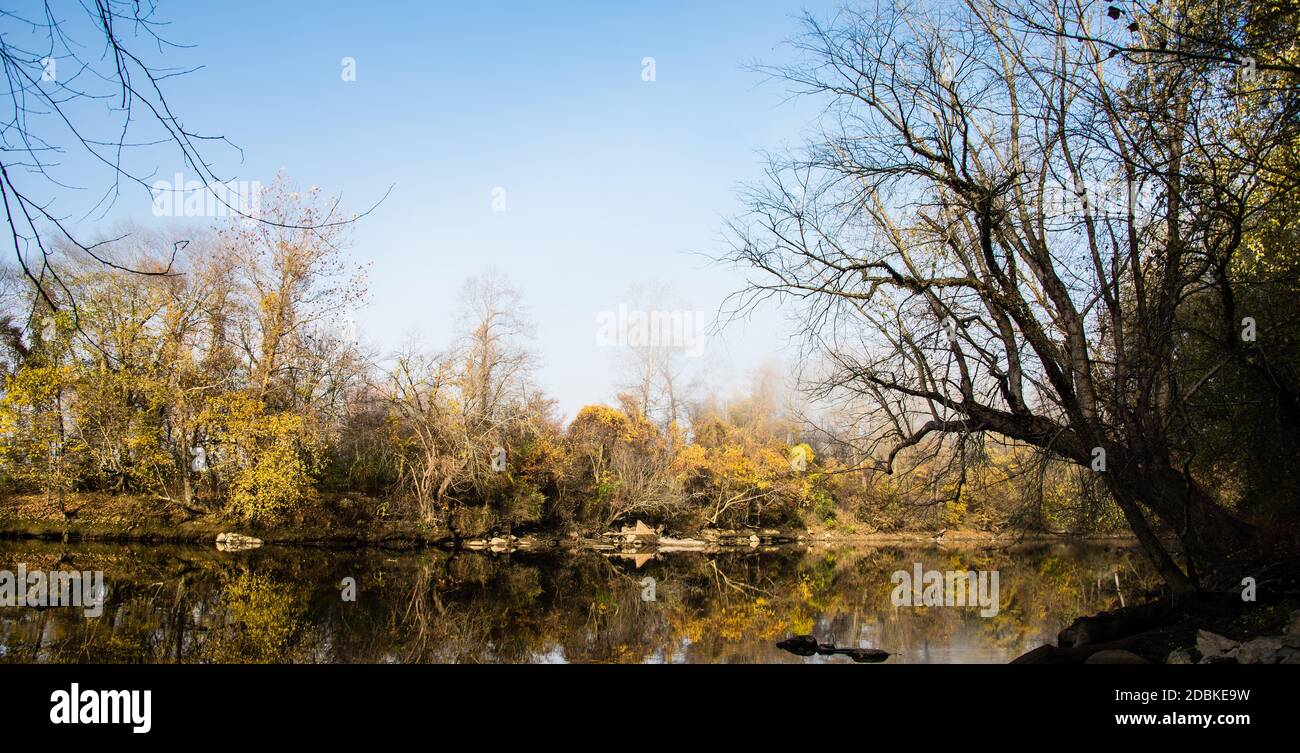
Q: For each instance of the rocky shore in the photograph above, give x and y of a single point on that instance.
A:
(635, 539)
(1220, 630)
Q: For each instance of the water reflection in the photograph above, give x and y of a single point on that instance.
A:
(169, 604)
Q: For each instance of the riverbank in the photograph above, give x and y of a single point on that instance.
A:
(410, 536)
(1215, 632)
(123, 519)
(1257, 622)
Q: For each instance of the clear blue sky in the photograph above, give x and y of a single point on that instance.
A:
(611, 181)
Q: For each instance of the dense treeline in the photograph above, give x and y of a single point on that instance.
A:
(225, 380)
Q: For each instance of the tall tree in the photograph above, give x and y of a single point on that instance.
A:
(998, 226)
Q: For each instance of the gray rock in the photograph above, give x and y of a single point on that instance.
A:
(1180, 656)
(1269, 649)
(1218, 659)
(236, 542)
(1115, 656)
(1212, 645)
(639, 534)
(667, 544)
(1293, 627)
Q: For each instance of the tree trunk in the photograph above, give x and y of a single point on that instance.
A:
(1211, 535)
(1178, 581)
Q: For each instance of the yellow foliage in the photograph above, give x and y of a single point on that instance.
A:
(277, 458)
(36, 447)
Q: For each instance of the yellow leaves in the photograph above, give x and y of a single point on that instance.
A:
(728, 462)
(735, 473)
(754, 618)
(598, 421)
(264, 617)
(33, 441)
(284, 454)
(605, 425)
(35, 385)
(272, 460)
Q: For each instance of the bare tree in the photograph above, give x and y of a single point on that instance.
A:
(456, 407)
(293, 280)
(996, 230)
(654, 367)
(495, 361)
(88, 111)
(80, 88)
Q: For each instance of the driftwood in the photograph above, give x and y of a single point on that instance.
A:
(806, 645)
(1112, 626)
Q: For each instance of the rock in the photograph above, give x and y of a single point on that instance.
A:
(640, 533)
(1212, 645)
(806, 645)
(753, 540)
(1180, 656)
(1269, 649)
(1218, 659)
(802, 645)
(1293, 627)
(237, 538)
(864, 655)
(236, 542)
(667, 544)
(1044, 654)
(1115, 656)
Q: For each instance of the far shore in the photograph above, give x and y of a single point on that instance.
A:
(416, 536)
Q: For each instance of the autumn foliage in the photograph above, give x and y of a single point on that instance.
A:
(219, 379)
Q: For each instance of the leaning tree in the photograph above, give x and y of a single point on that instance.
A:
(1000, 222)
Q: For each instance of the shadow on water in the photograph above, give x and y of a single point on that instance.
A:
(177, 604)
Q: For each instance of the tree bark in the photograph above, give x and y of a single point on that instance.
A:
(1211, 535)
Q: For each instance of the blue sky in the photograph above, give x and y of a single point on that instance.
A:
(610, 181)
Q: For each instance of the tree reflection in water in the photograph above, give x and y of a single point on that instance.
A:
(169, 604)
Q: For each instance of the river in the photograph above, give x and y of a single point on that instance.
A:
(289, 604)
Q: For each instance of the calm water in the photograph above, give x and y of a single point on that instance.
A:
(170, 604)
